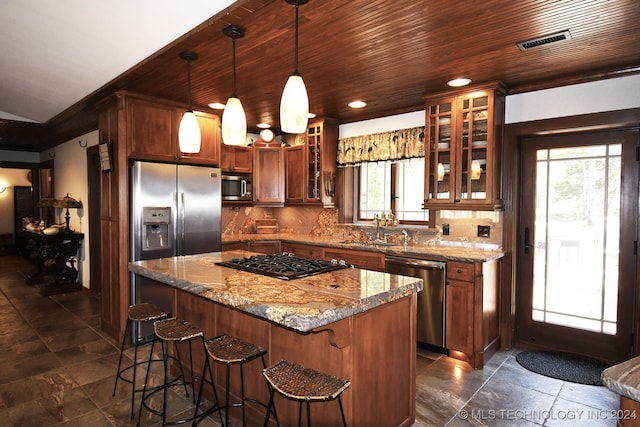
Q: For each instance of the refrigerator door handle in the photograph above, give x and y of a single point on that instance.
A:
(182, 214)
(176, 241)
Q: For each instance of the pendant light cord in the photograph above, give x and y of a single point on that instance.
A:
(233, 94)
(188, 84)
(295, 64)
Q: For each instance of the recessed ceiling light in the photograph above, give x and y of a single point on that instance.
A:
(263, 125)
(217, 105)
(357, 104)
(459, 82)
(311, 115)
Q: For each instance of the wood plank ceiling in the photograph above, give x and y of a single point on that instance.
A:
(387, 53)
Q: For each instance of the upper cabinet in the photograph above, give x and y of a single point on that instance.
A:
(236, 158)
(152, 132)
(268, 175)
(311, 165)
(462, 148)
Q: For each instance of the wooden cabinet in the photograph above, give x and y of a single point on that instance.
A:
(311, 169)
(359, 259)
(210, 143)
(268, 176)
(234, 246)
(302, 250)
(236, 159)
(294, 160)
(261, 246)
(265, 246)
(472, 323)
(152, 132)
(462, 149)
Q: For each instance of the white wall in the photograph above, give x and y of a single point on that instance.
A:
(70, 176)
(585, 98)
(10, 178)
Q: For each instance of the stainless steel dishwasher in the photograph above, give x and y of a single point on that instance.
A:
(431, 312)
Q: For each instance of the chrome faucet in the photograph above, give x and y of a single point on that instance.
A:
(406, 237)
(376, 218)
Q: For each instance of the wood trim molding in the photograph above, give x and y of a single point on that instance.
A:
(619, 119)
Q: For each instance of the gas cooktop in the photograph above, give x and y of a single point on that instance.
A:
(283, 266)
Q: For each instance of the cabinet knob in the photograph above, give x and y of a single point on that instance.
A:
(459, 271)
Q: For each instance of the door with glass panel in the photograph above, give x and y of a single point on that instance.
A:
(577, 252)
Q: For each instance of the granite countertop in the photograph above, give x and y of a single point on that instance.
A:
(302, 304)
(624, 378)
(442, 250)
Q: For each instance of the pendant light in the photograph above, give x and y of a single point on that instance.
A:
(189, 131)
(234, 121)
(294, 105)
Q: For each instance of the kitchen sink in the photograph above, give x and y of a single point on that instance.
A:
(375, 243)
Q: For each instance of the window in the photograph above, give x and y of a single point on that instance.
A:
(392, 186)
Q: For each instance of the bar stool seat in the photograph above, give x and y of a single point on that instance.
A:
(145, 312)
(177, 330)
(231, 350)
(302, 384)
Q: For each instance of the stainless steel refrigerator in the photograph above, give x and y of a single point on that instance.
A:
(174, 210)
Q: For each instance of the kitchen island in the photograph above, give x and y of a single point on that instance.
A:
(355, 324)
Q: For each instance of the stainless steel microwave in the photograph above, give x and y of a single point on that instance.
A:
(236, 187)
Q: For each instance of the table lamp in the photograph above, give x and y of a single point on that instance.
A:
(67, 202)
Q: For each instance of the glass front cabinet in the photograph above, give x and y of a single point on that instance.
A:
(310, 167)
(464, 135)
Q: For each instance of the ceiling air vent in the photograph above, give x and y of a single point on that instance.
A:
(539, 41)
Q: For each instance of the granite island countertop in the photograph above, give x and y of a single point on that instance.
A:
(440, 251)
(302, 304)
(624, 378)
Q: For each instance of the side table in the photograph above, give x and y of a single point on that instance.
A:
(54, 258)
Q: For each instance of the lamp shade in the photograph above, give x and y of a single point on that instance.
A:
(67, 202)
(234, 123)
(189, 133)
(294, 106)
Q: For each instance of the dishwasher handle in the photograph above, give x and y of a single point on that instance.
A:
(416, 262)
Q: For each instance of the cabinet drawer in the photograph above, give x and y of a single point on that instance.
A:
(460, 271)
(359, 259)
(234, 246)
(305, 251)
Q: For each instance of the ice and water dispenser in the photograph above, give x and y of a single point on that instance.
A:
(156, 223)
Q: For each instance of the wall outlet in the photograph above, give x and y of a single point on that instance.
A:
(484, 231)
(445, 229)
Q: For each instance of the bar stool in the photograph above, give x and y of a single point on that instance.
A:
(231, 350)
(177, 330)
(302, 384)
(145, 312)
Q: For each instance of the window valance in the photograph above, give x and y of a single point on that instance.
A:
(394, 145)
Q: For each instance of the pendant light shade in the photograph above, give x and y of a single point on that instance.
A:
(234, 120)
(234, 123)
(189, 132)
(294, 105)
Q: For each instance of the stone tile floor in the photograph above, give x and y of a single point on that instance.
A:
(58, 368)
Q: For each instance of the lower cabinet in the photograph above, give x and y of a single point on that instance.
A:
(302, 250)
(261, 246)
(472, 322)
(265, 246)
(234, 246)
(359, 259)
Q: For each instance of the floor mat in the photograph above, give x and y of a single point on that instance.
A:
(563, 366)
